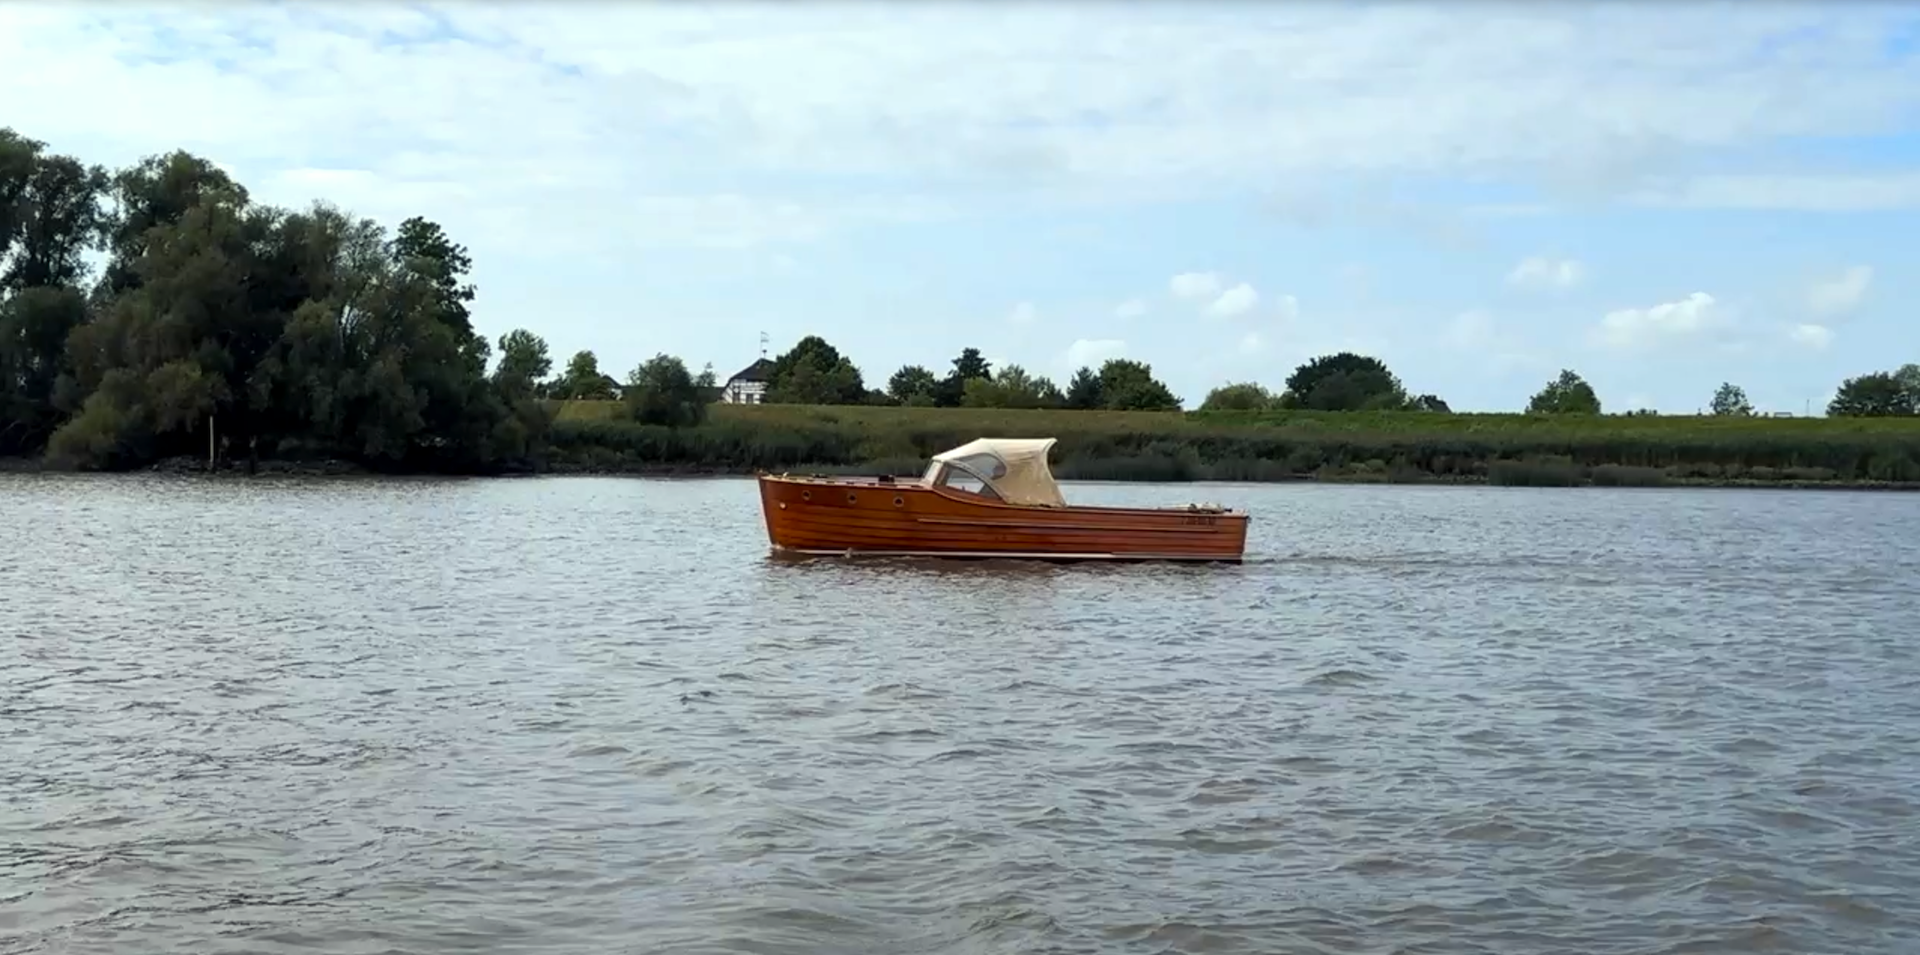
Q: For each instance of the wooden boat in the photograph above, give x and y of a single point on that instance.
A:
(994, 497)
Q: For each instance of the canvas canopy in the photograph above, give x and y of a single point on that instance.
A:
(1016, 468)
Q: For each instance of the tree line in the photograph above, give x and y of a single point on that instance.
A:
(221, 325)
(1345, 381)
(814, 372)
(218, 321)
(1350, 382)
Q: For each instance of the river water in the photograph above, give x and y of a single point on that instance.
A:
(580, 715)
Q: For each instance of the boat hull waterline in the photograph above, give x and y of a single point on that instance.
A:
(821, 516)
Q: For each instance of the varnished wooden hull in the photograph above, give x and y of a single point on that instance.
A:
(870, 518)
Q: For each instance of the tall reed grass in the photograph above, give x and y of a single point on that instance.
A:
(1264, 446)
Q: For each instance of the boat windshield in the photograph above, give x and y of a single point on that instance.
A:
(962, 480)
(1013, 470)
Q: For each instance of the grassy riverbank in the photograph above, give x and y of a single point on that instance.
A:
(594, 437)
(1410, 447)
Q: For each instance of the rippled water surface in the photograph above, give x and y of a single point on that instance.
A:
(592, 715)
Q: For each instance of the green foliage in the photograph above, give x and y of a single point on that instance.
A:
(968, 367)
(50, 215)
(158, 192)
(583, 380)
(1908, 376)
(1567, 394)
(912, 385)
(256, 327)
(1731, 399)
(524, 364)
(661, 392)
(1878, 395)
(34, 326)
(809, 384)
(1345, 381)
(423, 248)
(1271, 445)
(1245, 396)
(1084, 391)
(1014, 388)
(813, 372)
(1127, 385)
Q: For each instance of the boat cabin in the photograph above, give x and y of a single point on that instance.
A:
(1009, 470)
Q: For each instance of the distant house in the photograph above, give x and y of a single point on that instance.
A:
(749, 386)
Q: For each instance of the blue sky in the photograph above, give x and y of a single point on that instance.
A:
(1659, 196)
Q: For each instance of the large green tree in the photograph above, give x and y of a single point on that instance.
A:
(813, 372)
(524, 364)
(1877, 395)
(1730, 400)
(912, 385)
(662, 392)
(1567, 394)
(969, 366)
(424, 248)
(1083, 390)
(216, 317)
(1908, 375)
(34, 370)
(1128, 385)
(583, 380)
(156, 193)
(1345, 381)
(1014, 387)
(50, 215)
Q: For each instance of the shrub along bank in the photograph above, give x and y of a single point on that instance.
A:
(1550, 450)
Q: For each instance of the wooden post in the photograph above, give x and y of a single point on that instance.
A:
(209, 442)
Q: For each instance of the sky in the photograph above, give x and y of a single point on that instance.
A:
(1659, 196)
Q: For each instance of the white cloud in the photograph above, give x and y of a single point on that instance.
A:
(644, 98)
(1092, 352)
(599, 131)
(1195, 285)
(1023, 314)
(1237, 300)
(1842, 293)
(1252, 343)
(1816, 337)
(1545, 273)
(1131, 308)
(1633, 327)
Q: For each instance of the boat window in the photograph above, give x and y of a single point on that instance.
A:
(962, 481)
(988, 466)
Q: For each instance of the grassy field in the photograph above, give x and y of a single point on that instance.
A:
(1382, 446)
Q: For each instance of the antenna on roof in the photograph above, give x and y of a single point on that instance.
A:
(763, 344)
